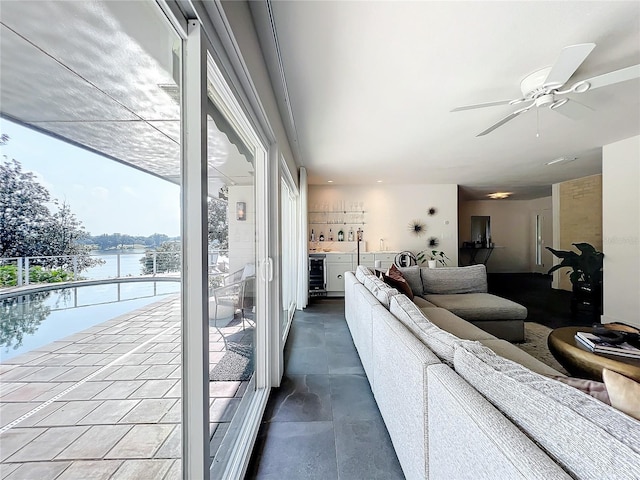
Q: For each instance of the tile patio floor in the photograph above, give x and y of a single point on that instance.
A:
(105, 403)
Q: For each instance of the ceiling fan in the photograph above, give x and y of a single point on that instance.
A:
(543, 87)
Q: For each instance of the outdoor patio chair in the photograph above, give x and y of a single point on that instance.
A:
(233, 296)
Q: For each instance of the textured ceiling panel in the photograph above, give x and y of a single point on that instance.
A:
(95, 75)
(122, 48)
(37, 88)
(136, 143)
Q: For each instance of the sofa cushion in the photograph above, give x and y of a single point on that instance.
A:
(413, 278)
(451, 280)
(439, 341)
(362, 272)
(395, 279)
(587, 438)
(480, 306)
(422, 303)
(470, 439)
(455, 325)
(509, 350)
(380, 290)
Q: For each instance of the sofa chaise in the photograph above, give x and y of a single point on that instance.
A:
(463, 291)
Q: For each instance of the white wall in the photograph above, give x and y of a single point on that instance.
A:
(512, 230)
(390, 209)
(242, 234)
(621, 231)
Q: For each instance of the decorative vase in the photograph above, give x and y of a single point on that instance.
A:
(586, 299)
(432, 263)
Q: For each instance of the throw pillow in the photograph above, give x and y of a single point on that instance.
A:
(590, 387)
(413, 278)
(453, 280)
(395, 279)
(623, 392)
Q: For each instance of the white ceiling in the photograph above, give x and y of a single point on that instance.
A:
(104, 75)
(371, 86)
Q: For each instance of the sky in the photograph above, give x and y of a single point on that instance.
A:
(105, 195)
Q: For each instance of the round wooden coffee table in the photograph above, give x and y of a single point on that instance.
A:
(582, 363)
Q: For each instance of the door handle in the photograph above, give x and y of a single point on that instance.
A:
(266, 272)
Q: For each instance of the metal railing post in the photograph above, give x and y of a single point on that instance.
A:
(118, 265)
(19, 272)
(26, 270)
(155, 263)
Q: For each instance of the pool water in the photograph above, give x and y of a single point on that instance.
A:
(35, 319)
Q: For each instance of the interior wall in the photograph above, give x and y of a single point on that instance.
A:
(580, 217)
(621, 231)
(512, 231)
(390, 209)
(242, 235)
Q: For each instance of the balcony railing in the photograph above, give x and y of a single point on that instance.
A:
(106, 266)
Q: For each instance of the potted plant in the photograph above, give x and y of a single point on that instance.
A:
(433, 257)
(585, 275)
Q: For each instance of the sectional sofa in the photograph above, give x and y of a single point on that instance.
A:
(461, 404)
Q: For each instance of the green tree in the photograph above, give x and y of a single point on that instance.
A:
(23, 211)
(218, 220)
(167, 258)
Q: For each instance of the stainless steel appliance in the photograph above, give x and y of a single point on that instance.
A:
(317, 275)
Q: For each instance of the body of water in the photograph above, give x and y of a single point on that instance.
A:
(35, 319)
(129, 264)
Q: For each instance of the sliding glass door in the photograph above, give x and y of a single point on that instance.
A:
(288, 236)
(238, 280)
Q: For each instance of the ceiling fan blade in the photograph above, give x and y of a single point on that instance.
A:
(617, 76)
(570, 59)
(482, 105)
(506, 119)
(572, 109)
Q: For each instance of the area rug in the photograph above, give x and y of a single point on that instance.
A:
(237, 362)
(535, 344)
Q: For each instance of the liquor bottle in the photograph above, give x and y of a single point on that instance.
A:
(341, 236)
(313, 236)
(321, 237)
(330, 235)
(350, 238)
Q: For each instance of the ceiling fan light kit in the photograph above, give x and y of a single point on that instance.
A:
(543, 86)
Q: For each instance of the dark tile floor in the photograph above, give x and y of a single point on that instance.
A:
(323, 422)
(544, 304)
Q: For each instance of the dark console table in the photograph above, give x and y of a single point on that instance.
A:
(475, 255)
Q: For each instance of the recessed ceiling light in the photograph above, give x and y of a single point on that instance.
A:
(329, 181)
(499, 195)
(379, 181)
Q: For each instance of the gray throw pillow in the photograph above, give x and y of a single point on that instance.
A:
(453, 280)
(413, 278)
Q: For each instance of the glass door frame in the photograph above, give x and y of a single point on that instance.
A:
(198, 66)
